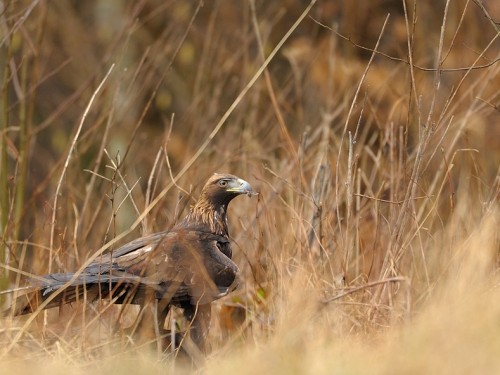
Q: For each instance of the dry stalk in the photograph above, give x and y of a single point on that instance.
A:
(291, 148)
(409, 61)
(65, 167)
(365, 286)
(344, 131)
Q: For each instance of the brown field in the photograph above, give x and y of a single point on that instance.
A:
(371, 130)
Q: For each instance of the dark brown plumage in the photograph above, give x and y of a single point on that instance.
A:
(188, 266)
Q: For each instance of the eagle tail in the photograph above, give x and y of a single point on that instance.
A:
(31, 300)
(85, 287)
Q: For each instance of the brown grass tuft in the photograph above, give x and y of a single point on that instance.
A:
(374, 141)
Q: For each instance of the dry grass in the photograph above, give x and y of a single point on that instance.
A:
(373, 247)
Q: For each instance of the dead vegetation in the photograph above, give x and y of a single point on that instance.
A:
(372, 134)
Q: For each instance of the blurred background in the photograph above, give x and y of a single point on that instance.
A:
(369, 167)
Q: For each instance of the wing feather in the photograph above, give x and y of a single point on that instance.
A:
(181, 265)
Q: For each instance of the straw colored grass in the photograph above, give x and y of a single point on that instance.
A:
(370, 130)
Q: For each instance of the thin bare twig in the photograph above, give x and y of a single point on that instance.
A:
(365, 286)
(407, 62)
(480, 4)
(344, 131)
(385, 200)
(70, 152)
(281, 121)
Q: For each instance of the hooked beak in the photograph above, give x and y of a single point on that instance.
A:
(240, 186)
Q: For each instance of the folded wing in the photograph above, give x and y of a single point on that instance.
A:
(185, 265)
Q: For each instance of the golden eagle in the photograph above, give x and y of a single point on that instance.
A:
(188, 266)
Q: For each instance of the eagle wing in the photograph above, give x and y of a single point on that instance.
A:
(181, 265)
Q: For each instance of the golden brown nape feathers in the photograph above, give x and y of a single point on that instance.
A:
(211, 207)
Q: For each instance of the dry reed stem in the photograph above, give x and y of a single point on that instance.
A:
(344, 131)
(73, 144)
(66, 163)
(292, 244)
(409, 61)
(291, 149)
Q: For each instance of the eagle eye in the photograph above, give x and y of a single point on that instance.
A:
(223, 183)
